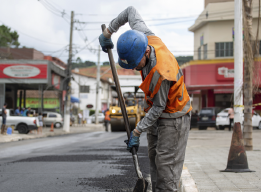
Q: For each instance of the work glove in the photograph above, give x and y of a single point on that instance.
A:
(134, 142)
(105, 41)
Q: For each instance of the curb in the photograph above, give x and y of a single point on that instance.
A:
(18, 137)
(187, 183)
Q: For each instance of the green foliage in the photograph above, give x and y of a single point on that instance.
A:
(106, 63)
(80, 64)
(183, 59)
(92, 111)
(7, 37)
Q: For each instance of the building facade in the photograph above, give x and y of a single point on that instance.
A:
(210, 76)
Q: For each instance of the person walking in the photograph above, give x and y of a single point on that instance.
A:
(231, 117)
(40, 128)
(4, 112)
(168, 105)
(107, 119)
(79, 118)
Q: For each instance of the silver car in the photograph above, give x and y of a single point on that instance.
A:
(100, 117)
(52, 117)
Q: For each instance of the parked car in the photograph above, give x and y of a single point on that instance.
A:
(194, 120)
(52, 117)
(222, 120)
(207, 117)
(22, 124)
(101, 117)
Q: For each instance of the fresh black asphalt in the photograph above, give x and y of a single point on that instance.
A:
(84, 162)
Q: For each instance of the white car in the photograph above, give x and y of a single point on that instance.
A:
(101, 117)
(22, 124)
(222, 119)
(52, 117)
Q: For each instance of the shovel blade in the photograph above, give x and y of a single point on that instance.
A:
(141, 186)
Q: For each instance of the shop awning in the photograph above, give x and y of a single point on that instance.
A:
(75, 99)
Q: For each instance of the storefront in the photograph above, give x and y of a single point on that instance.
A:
(18, 76)
(210, 83)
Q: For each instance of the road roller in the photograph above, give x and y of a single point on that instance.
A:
(134, 110)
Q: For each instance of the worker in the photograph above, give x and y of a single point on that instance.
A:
(168, 105)
(107, 119)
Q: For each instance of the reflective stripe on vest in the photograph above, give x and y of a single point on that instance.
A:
(184, 111)
(156, 77)
(182, 92)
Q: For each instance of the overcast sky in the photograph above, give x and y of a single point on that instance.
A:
(41, 26)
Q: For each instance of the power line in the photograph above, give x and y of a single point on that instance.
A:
(54, 10)
(202, 15)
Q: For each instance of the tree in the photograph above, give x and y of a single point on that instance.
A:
(78, 60)
(106, 63)
(251, 51)
(8, 38)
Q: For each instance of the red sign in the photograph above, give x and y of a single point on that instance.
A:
(225, 72)
(89, 106)
(56, 81)
(23, 71)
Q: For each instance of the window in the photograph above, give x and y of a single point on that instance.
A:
(206, 111)
(199, 53)
(205, 51)
(52, 115)
(84, 89)
(224, 49)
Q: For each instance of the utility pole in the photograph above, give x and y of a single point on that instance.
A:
(238, 63)
(97, 88)
(249, 55)
(66, 126)
(79, 88)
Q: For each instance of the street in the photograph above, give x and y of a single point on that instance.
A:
(95, 161)
(98, 161)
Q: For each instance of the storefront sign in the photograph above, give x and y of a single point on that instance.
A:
(23, 71)
(225, 73)
(49, 103)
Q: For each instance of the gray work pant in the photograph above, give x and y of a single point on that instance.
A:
(167, 141)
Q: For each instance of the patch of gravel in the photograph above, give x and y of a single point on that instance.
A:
(128, 178)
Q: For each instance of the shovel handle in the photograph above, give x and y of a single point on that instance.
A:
(118, 88)
(123, 108)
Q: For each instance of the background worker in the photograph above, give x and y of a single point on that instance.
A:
(107, 119)
(4, 112)
(167, 106)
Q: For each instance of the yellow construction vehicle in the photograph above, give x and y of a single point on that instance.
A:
(134, 110)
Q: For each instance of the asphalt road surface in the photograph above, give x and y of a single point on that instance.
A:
(95, 161)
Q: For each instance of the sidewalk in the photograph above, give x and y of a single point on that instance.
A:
(46, 132)
(207, 154)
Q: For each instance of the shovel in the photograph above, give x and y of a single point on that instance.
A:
(142, 184)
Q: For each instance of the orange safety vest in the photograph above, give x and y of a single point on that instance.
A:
(167, 67)
(107, 116)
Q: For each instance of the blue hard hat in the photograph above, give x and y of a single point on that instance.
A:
(131, 47)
